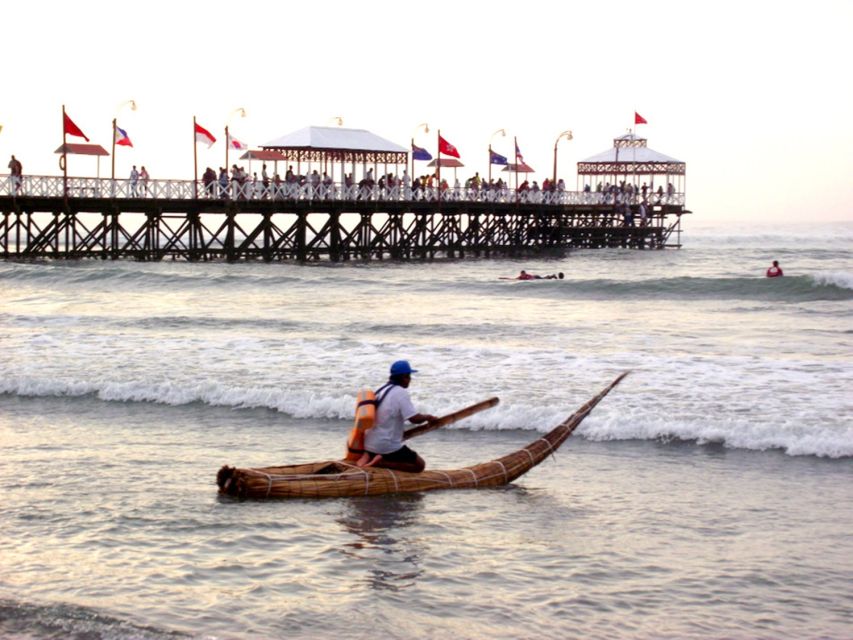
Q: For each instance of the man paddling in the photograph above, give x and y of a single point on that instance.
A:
(384, 442)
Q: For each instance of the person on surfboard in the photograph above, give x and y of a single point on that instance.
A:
(384, 442)
(530, 276)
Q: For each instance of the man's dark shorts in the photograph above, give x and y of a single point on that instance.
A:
(403, 454)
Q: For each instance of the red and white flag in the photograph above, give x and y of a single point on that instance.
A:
(234, 143)
(638, 119)
(71, 129)
(204, 136)
(446, 148)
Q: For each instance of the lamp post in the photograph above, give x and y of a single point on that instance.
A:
(425, 127)
(503, 135)
(132, 104)
(242, 113)
(568, 136)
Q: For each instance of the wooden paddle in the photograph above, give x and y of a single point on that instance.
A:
(450, 418)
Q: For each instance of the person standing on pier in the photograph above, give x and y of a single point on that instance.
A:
(223, 183)
(134, 181)
(17, 172)
(644, 218)
(407, 185)
(208, 179)
(143, 178)
(276, 181)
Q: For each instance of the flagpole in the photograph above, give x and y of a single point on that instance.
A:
(634, 151)
(227, 144)
(64, 159)
(515, 142)
(412, 177)
(195, 163)
(554, 177)
(490, 163)
(438, 165)
(114, 149)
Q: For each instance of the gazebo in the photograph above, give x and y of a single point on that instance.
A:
(632, 160)
(516, 168)
(80, 149)
(329, 147)
(452, 163)
(263, 156)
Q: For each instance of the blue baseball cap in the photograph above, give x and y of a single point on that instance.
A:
(401, 368)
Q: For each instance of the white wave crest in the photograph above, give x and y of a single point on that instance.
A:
(793, 439)
(625, 415)
(843, 279)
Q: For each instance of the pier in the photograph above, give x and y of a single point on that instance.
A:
(313, 217)
(48, 217)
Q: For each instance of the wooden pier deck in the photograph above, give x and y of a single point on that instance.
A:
(112, 219)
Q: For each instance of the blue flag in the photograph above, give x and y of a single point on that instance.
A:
(420, 154)
(496, 158)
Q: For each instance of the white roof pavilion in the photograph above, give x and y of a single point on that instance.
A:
(630, 155)
(336, 144)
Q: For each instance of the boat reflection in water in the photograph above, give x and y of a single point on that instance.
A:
(390, 554)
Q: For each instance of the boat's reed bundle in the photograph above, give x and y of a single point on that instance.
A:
(338, 478)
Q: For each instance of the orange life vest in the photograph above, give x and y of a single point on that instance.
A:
(365, 418)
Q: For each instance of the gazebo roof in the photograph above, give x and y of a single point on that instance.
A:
(82, 149)
(630, 148)
(630, 154)
(336, 144)
(521, 167)
(637, 154)
(259, 154)
(334, 138)
(446, 162)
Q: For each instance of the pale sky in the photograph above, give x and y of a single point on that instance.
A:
(756, 97)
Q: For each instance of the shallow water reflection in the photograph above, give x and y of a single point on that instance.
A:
(379, 524)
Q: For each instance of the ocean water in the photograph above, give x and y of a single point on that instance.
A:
(707, 496)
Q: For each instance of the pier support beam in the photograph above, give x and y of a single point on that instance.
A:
(302, 230)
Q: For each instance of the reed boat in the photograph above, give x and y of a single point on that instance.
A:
(338, 478)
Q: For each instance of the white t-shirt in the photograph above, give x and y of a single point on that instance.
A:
(391, 415)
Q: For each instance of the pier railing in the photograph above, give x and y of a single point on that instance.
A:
(78, 187)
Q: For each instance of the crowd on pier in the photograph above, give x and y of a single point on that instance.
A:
(237, 183)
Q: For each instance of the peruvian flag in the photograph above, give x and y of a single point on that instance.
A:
(234, 143)
(204, 136)
(68, 127)
(638, 119)
(446, 148)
